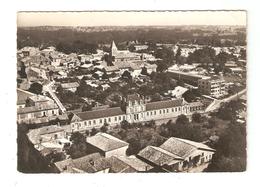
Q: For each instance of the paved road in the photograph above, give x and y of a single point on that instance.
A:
(217, 103)
(48, 88)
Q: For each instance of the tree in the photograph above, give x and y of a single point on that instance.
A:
(105, 76)
(190, 95)
(104, 128)
(22, 72)
(86, 107)
(125, 125)
(230, 150)
(77, 138)
(182, 120)
(150, 124)
(93, 131)
(178, 55)
(78, 147)
(35, 88)
(196, 117)
(161, 67)
(144, 71)
(126, 75)
(134, 146)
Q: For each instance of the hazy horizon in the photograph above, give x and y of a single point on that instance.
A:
(117, 19)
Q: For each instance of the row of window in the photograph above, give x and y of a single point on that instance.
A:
(101, 121)
(163, 111)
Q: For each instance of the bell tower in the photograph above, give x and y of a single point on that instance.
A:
(113, 49)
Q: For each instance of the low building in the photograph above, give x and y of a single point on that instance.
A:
(140, 47)
(70, 86)
(177, 155)
(215, 87)
(187, 77)
(178, 91)
(92, 163)
(134, 110)
(107, 145)
(48, 137)
(31, 107)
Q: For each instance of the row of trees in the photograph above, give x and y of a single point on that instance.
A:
(43, 36)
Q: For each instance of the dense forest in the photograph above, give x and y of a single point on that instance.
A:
(75, 40)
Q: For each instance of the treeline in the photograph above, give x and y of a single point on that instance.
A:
(42, 38)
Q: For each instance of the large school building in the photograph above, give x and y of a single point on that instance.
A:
(134, 110)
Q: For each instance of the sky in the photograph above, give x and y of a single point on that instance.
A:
(131, 18)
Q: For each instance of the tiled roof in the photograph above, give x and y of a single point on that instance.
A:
(22, 95)
(70, 85)
(164, 104)
(91, 163)
(40, 98)
(33, 109)
(34, 135)
(135, 163)
(182, 147)
(118, 166)
(158, 156)
(111, 68)
(109, 112)
(106, 142)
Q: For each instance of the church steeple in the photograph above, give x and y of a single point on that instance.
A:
(113, 48)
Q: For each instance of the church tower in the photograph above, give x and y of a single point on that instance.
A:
(113, 49)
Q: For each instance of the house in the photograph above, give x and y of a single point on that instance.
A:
(107, 145)
(86, 66)
(31, 107)
(22, 97)
(48, 137)
(71, 86)
(140, 47)
(135, 163)
(177, 155)
(92, 163)
(178, 91)
(119, 166)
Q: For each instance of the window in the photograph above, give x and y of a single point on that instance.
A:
(115, 118)
(172, 109)
(119, 118)
(154, 112)
(94, 121)
(147, 113)
(89, 122)
(167, 110)
(109, 119)
(179, 108)
(85, 123)
(100, 121)
(151, 113)
(176, 109)
(160, 112)
(105, 120)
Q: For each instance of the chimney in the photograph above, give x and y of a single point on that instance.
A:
(91, 162)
